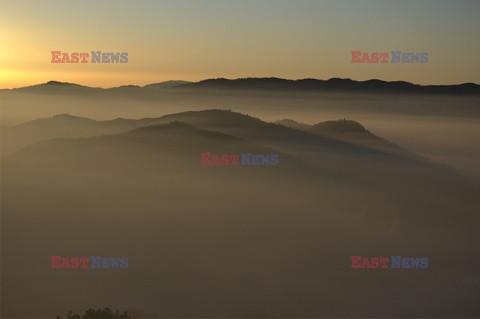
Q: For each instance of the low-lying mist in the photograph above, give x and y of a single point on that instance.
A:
(245, 240)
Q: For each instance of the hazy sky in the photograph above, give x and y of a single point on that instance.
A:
(194, 40)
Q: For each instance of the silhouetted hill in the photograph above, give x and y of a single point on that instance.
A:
(339, 126)
(59, 126)
(58, 118)
(332, 137)
(166, 84)
(353, 132)
(58, 83)
(56, 87)
(183, 128)
(293, 124)
(273, 84)
(334, 84)
(321, 142)
(271, 134)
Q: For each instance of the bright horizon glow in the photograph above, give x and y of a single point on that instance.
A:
(193, 40)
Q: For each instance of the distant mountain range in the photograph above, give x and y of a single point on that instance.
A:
(275, 84)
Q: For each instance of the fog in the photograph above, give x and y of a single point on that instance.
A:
(224, 241)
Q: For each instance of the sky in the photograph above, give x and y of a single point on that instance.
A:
(199, 39)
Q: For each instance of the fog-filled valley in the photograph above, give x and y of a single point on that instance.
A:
(119, 173)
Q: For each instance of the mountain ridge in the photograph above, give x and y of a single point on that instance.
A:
(328, 135)
(273, 83)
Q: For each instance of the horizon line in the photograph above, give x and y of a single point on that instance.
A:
(235, 79)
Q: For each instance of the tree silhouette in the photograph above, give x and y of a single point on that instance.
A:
(104, 313)
(99, 313)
